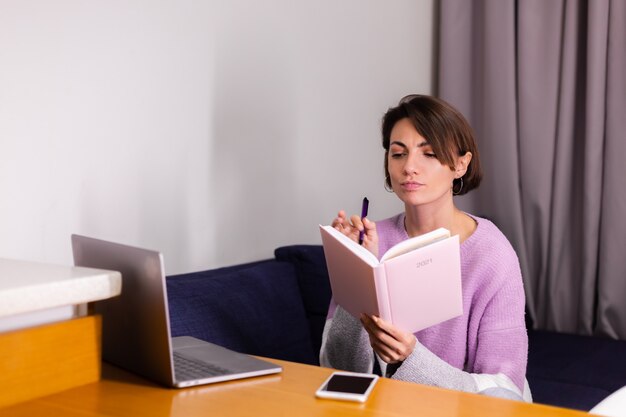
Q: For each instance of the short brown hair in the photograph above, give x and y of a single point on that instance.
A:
(445, 129)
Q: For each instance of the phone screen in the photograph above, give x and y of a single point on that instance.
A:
(349, 384)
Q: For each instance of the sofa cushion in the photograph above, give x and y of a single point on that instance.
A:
(254, 308)
(574, 371)
(312, 274)
(565, 394)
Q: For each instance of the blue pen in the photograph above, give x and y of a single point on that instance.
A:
(364, 208)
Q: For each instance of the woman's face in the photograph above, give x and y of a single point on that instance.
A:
(417, 177)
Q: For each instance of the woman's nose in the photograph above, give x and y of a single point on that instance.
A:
(411, 165)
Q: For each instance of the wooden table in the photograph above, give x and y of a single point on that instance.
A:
(290, 393)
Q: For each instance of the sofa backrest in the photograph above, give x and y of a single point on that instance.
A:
(310, 266)
(253, 308)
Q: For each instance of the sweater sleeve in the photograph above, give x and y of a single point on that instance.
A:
(500, 344)
(345, 344)
(424, 367)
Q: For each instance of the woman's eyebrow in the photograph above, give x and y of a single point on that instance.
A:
(420, 145)
(395, 142)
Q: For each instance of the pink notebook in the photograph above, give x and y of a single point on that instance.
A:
(416, 284)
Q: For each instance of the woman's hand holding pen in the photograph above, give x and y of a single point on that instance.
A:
(352, 228)
(390, 343)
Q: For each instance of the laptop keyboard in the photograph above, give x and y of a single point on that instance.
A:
(187, 368)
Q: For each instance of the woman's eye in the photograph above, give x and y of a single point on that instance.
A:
(430, 155)
(397, 155)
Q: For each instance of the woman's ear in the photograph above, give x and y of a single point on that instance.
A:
(462, 162)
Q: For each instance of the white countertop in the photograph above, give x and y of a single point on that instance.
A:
(31, 286)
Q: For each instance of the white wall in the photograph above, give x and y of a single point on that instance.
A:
(214, 131)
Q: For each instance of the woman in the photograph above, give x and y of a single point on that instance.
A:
(431, 155)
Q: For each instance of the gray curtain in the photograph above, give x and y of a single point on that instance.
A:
(543, 83)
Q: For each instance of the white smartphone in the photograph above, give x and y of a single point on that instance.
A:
(348, 386)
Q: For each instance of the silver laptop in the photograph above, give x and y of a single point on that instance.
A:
(136, 329)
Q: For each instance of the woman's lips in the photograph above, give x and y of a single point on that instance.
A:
(411, 185)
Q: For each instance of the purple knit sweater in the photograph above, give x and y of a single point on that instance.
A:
(490, 337)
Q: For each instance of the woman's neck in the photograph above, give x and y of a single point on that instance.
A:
(423, 219)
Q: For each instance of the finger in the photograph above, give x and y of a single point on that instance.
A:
(357, 222)
(376, 332)
(348, 230)
(372, 323)
(371, 235)
(369, 225)
(384, 339)
(396, 346)
(340, 220)
(375, 341)
(382, 355)
(388, 328)
(386, 353)
(389, 354)
(367, 322)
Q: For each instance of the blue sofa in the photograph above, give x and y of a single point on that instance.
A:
(277, 307)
